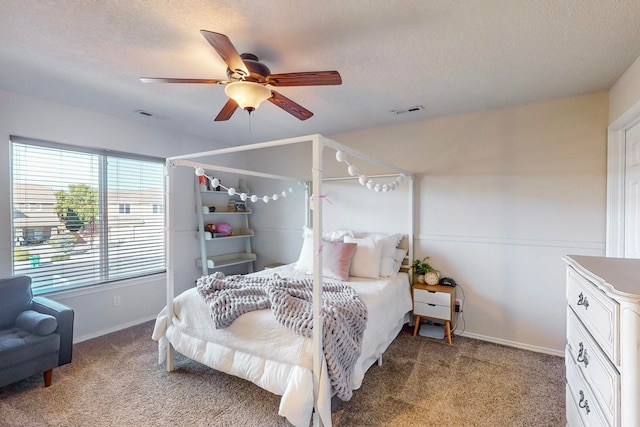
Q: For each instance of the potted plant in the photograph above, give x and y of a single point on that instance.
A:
(420, 267)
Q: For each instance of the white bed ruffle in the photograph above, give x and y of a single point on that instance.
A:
(255, 347)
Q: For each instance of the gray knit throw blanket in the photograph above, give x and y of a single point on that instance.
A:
(344, 315)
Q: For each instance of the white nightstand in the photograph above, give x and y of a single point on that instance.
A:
(434, 302)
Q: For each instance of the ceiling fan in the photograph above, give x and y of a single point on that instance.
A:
(248, 80)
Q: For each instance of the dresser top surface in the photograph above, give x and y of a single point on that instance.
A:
(621, 275)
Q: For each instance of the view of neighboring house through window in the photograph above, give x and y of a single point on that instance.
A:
(84, 216)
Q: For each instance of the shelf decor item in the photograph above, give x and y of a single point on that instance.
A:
(420, 268)
(224, 228)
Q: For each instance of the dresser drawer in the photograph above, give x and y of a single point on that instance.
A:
(599, 313)
(431, 310)
(428, 297)
(598, 372)
(574, 418)
(580, 397)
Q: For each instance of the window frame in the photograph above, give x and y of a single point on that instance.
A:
(103, 190)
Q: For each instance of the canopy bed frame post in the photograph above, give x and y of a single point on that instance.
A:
(169, 170)
(307, 204)
(412, 196)
(316, 205)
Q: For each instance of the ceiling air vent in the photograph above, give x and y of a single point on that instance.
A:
(148, 114)
(408, 110)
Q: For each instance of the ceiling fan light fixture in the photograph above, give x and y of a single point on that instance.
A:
(248, 95)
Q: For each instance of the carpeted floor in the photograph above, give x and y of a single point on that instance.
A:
(114, 380)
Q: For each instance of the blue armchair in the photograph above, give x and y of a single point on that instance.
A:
(36, 333)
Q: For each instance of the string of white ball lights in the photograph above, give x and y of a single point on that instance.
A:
(215, 182)
(341, 157)
(364, 180)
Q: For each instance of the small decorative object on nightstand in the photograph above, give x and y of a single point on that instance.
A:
(434, 302)
(432, 277)
(420, 268)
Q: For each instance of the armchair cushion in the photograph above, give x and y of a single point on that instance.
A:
(36, 323)
(18, 347)
(16, 298)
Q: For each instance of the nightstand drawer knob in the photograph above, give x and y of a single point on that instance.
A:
(582, 300)
(582, 355)
(584, 403)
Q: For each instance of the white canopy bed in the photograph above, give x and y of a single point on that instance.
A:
(254, 346)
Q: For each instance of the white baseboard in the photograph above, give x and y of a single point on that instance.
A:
(113, 329)
(514, 344)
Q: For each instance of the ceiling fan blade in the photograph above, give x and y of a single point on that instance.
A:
(226, 50)
(227, 111)
(307, 78)
(289, 106)
(170, 80)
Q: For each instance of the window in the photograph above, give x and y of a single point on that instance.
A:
(78, 236)
(157, 209)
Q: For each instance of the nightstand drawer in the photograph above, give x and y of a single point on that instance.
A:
(435, 311)
(427, 297)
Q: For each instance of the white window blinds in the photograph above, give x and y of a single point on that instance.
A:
(82, 217)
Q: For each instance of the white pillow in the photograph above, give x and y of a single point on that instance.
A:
(305, 260)
(387, 263)
(397, 261)
(366, 260)
(390, 243)
(330, 235)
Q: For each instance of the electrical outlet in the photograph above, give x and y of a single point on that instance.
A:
(458, 306)
(116, 301)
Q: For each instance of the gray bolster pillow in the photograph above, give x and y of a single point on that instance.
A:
(36, 323)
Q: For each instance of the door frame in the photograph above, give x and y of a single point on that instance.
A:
(616, 167)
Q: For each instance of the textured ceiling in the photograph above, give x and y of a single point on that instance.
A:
(449, 56)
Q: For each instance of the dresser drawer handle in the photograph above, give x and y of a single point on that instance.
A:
(582, 355)
(582, 300)
(583, 402)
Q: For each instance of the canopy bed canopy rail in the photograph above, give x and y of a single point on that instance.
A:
(318, 144)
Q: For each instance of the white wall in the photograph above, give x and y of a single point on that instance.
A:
(501, 197)
(625, 94)
(141, 299)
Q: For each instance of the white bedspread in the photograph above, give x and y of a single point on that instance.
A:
(257, 348)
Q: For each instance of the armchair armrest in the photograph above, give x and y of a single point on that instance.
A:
(64, 315)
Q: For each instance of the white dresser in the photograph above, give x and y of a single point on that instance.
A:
(602, 356)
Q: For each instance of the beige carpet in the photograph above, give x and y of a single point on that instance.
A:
(114, 381)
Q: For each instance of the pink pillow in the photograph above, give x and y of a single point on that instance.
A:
(336, 259)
